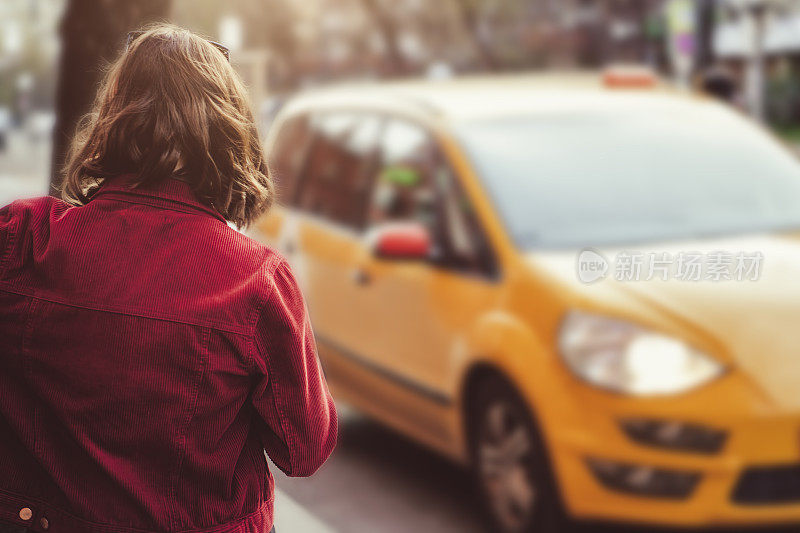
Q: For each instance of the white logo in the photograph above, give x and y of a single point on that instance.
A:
(717, 266)
(591, 265)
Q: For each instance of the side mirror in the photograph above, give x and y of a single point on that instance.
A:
(400, 241)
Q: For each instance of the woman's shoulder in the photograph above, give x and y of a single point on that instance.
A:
(267, 271)
(30, 212)
(247, 247)
(22, 221)
(42, 205)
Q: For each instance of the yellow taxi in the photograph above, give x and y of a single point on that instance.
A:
(468, 249)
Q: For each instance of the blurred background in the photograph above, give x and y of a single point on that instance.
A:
(52, 54)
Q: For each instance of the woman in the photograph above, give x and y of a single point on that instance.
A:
(149, 353)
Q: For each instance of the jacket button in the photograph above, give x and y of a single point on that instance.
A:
(45, 523)
(25, 513)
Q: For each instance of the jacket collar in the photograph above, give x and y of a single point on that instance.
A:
(166, 192)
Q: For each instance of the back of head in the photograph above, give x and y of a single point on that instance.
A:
(173, 107)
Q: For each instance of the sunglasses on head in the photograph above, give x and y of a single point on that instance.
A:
(132, 36)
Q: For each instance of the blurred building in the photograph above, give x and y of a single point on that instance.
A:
(28, 51)
(780, 37)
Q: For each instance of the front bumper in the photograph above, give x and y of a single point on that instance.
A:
(760, 439)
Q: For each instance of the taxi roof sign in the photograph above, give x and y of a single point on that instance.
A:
(629, 77)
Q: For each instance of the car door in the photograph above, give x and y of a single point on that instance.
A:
(318, 163)
(412, 317)
(287, 156)
(327, 234)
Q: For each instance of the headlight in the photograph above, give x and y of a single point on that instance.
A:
(624, 357)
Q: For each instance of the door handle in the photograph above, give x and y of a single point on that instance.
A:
(360, 276)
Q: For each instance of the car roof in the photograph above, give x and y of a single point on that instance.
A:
(480, 97)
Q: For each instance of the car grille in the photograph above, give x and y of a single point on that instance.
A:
(768, 485)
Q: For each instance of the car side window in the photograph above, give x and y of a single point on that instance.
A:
(403, 188)
(335, 183)
(414, 182)
(288, 154)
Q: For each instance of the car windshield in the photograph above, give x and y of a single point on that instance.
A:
(628, 174)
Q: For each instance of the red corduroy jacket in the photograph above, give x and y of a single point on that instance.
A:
(149, 354)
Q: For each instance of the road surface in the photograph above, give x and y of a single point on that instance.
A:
(379, 481)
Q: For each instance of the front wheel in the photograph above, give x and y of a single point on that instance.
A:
(510, 463)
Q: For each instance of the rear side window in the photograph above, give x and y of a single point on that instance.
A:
(288, 154)
(335, 182)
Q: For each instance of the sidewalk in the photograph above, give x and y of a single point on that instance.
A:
(290, 517)
(24, 168)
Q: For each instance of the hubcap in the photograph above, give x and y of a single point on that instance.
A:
(504, 451)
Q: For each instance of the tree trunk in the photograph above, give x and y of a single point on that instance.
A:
(471, 20)
(92, 34)
(397, 61)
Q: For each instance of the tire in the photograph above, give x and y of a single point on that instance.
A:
(510, 465)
